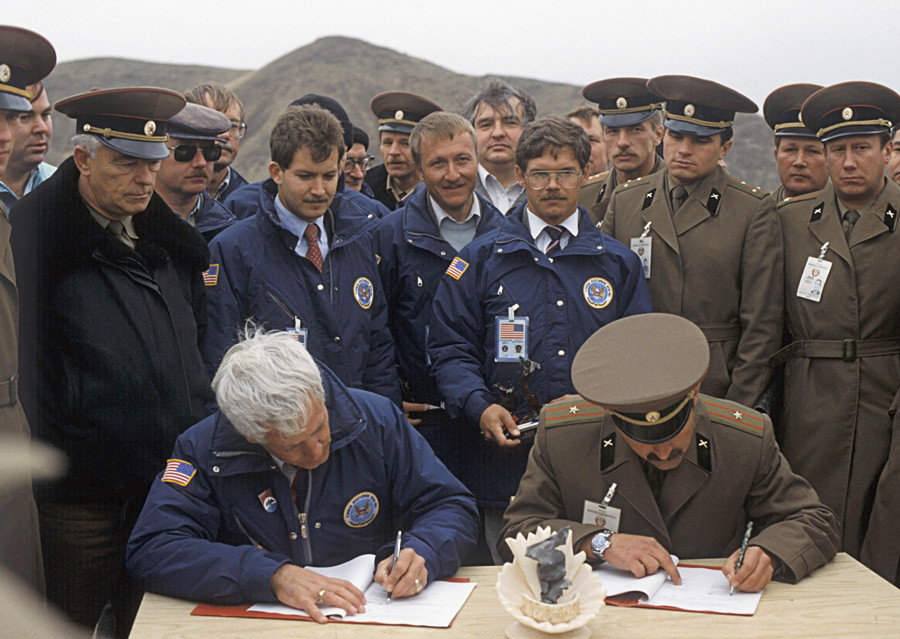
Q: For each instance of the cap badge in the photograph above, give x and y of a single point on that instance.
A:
(398, 115)
(622, 103)
(847, 113)
(689, 110)
(4, 73)
(652, 416)
(150, 128)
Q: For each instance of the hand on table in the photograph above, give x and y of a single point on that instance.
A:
(412, 407)
(402, 580)
(493, 421)
(640, 555)
(300, 588)
(755, 573)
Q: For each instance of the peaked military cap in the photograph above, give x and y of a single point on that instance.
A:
(334, 108)
(851, 108)
(697, 106)
(25, 59)
(197, 122)
(130, 120)
(782, 110)
(400, 112)
(643, 370)
(623, 101)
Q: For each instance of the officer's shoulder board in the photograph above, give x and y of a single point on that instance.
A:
(597, 177)
(565, 412)
(630, 184)
(797, 198)
(744, 187)
(735, 415)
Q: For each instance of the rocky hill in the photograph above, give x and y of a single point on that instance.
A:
(351, 71)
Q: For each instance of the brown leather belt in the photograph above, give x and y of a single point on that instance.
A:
(848, 350)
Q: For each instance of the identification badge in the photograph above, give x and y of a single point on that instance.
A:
(512, 339)
(300, 334)
(643, 247)
(812, 282)
(599, 515)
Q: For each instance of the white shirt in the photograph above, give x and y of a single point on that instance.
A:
(541, 240)
(502, 198)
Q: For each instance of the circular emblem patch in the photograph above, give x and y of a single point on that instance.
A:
(150, 128)
(5, 73)
(598, 292)
(361, 510)
(398, 115)
(622, 103)
(847, 113)
(689, 110)
(363, 292)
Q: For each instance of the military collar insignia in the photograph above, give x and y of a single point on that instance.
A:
(704, 453)
(648, 199)
(712, 204)
(607, 451)
(890, 217)
(817, 212)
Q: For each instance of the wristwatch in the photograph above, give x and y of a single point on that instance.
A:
(599, 543)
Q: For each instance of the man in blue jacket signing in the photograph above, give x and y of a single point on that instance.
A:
(297, 470)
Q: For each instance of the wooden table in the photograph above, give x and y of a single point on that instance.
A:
(842, 599)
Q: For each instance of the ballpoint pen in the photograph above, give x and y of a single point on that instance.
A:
(395, 557)
(740, 561)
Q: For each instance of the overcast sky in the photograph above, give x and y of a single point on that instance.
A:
(753, 46)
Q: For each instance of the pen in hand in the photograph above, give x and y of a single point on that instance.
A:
(395, 557)
(740, 559)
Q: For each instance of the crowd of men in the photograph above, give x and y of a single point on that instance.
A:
(340, 351)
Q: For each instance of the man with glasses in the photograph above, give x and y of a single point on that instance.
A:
(31, 133)
(225, 180)
(710, 244)
(499, 112)
(358, 162)
(184, 176)
(520, 301)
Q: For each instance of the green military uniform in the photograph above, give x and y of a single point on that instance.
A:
(598, 210)
(717, 263)
(592, 190)
(716, 466)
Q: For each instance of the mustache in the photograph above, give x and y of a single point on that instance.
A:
(676, 453)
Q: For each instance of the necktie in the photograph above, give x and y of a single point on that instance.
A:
(118, 230)
(850, 218)
(679, 195)
(313, 254)
(555, 233)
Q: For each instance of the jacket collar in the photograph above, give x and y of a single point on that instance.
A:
(513, 235)
(419, 220)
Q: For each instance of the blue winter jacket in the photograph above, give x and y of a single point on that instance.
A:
(213, 218)
(259, 276)
(588, 284)
(221, 537)
(414, 256)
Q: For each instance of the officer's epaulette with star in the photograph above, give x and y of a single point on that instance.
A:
(564, 412)
(796, 198)
(742, 186)
(632, 183)
(735, 415)
(596, 177)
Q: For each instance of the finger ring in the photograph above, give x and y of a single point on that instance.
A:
(322, 595)
(419, 586)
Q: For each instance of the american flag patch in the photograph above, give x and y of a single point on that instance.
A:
(211, 275)
(178, 472)
(457, 268)
(511, 330)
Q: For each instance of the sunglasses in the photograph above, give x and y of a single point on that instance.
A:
(186, 152)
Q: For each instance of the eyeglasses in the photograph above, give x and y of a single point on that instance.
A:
(186, 152)
(239, 129)
(364, 163)
(538, 180)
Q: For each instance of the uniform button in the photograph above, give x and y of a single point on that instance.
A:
(561, 353)
(499, 250)
(318, 525)
(537, 259)
(293, 536)
(337, 338)
(215, 469)
(559, 302)
(549, 258)
(320, 287)
(443, 253)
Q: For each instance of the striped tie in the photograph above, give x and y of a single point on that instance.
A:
(555, 233)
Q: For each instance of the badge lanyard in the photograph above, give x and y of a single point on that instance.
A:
(815, 274)
(512, 336)
(643, 247)
(602, 514)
